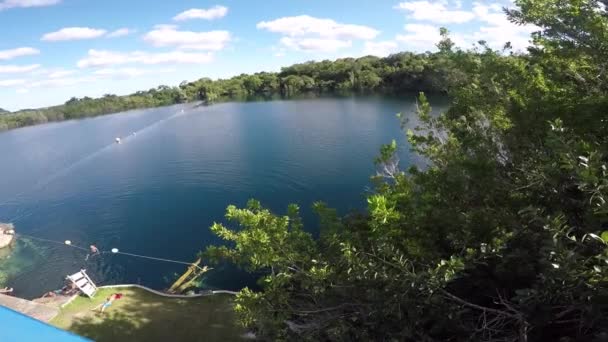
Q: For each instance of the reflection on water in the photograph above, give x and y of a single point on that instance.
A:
(158, 192)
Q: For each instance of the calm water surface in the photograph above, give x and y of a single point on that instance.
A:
(158, 192)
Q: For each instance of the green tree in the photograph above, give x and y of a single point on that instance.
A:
(502, 236)
(252, 84)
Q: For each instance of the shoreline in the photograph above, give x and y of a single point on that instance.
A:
(243, 99)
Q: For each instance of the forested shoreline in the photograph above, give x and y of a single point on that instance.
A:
(502, 237)
(398, 73)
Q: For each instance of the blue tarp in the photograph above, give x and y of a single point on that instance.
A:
(17, 327)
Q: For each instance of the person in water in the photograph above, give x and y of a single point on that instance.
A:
(94, 251)
(108, 302)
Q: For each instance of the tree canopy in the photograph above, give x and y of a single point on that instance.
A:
(402, 72)
(503, 237)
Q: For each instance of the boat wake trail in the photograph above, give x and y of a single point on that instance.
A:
(40, 185)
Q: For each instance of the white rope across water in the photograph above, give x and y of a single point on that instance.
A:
(159, 259)
(52, 241)
(68, 243)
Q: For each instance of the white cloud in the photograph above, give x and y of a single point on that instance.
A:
(310, 34)
(10, 83)
(121, 32)
(15, 69)
(6, 4)
(53, 72)
(214, 12)
(60, 82)
(380, 49)
(490, 13)
(420, 37)
(18, 52)
(498, 29)
(168, 35)
(175, 57)
(22, 91)
(424, 37)
(435, 12)
(73, 33)
(315, 44)
(104, 58)
(61, 73)
(493, 25)
(128, 72)
(305, 25)
(122, 73)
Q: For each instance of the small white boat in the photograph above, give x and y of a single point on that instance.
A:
(118, 140)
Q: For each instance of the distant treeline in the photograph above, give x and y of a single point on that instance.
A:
(402, 72)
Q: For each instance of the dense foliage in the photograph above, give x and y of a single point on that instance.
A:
(397, 73)
(87, 107)
(503, 237)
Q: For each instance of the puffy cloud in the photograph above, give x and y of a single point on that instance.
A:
(435, 12)
(128, 72)
(122, 73)
(424, 37)
(60, 82)
(306, 33)
(498, 29)
(490, 13)
(60, 73)
(315, 44)
(53, 72)
(80, 33)
(15, 69)
(304, 25)
(18, 52)
(6, 4)
(96, 58)
(380, 49)
(104, 58)
(168, 35)
(120, 32)
(493, 25)
(10, 83)
(420, 37)
(214, 12)
(73, 33)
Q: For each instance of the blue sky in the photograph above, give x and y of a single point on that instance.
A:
(52, 50)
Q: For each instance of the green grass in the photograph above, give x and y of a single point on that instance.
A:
(143, 316)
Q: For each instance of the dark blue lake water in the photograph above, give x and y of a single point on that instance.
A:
(158, 191)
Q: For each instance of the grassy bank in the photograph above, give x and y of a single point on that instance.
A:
(142, 316)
